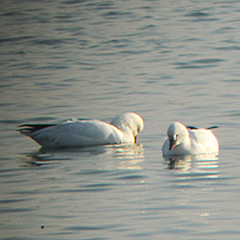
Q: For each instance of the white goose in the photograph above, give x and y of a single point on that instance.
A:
(184, 140)
(82, 133)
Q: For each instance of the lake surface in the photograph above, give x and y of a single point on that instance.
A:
(165, 60)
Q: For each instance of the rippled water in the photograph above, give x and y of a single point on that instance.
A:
(165, 60)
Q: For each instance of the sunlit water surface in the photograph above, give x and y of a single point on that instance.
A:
(165, 60)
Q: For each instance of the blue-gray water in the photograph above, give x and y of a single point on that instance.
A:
(165, 60)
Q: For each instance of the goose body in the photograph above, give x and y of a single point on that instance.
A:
(82, 133)
(184, 140)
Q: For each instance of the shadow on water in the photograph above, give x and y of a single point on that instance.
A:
(127, 156)
(194, 167)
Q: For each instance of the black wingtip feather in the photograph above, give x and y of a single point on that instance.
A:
(213, 127)
(191, 127)
(34, 127)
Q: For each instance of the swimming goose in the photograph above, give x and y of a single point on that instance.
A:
(184, 140)
(81, 133)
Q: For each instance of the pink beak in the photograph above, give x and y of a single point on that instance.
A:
(172, 144)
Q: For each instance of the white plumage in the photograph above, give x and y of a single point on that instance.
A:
(81, 133)
(184, 140)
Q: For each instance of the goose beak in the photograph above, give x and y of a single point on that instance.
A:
(172, 144)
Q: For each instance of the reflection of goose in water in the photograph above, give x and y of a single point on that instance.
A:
(184, 140)
(46, 156)
(81, 133)
(130, 157)
(195, 166)
(121, 156)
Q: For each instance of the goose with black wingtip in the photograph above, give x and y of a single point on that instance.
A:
(82, 133)
(184, 140)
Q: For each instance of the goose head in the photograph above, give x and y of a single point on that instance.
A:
(177, 134)
(129, 122)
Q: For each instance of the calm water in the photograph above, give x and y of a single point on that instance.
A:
(165, 60)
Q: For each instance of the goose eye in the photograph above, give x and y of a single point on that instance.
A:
(176, 135)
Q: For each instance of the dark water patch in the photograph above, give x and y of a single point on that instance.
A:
(71, 80)
(74, 2)
(48, 42)
(25, 65)
(8, 178)
(173, 85)
(85, 64)
(41, 158)
(89, 68)
(231, 41)
(235, 114)
(229, 95)
(228, 48)
(148, 16)
(76, 31)
(44, 158)
(85, 190)
(5, 159)
(101, 5)
(143, 234)
(82, 42)
(32, 76)
(64, 17)
(208, 60)
(19, 238)
(231, 80)
(184, 186)
(100, 185)
(12, 14)
(134, 52)
(15, 39)
(59, 216)
(45, 163)
(7, 104)
(169, 207)
(131, 177)
(53, 67)
(57, 106)
(31, 192)
(20, 52)
(188, 66)
(15, 210)
(200, 63)
(197, 14)
(116, 14)
(223, 31)
(148, 27)
(227, 233)
(207, 19)
(15, 200)
(9, 172)
(177, 231)
(91, 228)
(117, 41)
(92, 172)
(192, 39)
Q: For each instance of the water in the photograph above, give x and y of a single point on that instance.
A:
(165, 60)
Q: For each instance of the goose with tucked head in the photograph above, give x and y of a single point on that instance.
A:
(131, 125)
(82, 133)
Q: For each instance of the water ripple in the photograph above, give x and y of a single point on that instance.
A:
(90, 228)
(194, 167)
